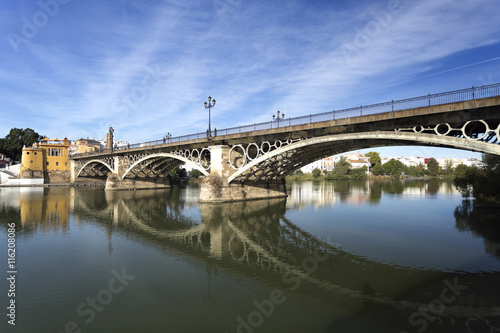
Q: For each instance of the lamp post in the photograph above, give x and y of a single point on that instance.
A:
(209, 106)
(168, 136)
(278, 117)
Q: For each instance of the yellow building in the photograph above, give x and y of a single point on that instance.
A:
(46, 155)
(87, 146)
(32, 159)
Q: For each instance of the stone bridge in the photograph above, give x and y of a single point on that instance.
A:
(251, 162)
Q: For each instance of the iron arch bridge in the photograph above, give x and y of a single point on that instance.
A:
(267, 161)
(146, 166)
(263, 154)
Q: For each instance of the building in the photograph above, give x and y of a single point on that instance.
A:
(83, 146)
(45, 156)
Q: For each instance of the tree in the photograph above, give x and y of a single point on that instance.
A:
(433, 167)
(13, 143)
(358, 173)
(298, 172)
(342, 166)
(378, 169)
(448, 167)
(394, 167)
(340, 170)
(316, 173)
(195, 173)
(374, 158)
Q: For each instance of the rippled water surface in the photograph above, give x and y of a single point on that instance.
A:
(332, 257)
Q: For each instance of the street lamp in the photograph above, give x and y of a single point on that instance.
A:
(209, 106)
(278, 117)
(168, 136)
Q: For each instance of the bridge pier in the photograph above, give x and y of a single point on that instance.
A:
(115, 182)
(215, 187)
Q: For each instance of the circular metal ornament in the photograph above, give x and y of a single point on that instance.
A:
(256, 150)
(470, 122)
(265, 147)
(418, 129)
(243, 156)
(438, 126)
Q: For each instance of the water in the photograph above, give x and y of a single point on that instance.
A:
(332, 257)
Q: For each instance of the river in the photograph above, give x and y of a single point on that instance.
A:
(335, 256)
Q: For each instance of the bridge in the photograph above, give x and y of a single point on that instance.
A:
(252, 161)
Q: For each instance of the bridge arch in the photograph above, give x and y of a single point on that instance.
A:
(282, 161)
(96, 162)
(155, 159)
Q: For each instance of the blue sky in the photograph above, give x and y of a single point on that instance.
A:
(72, 68)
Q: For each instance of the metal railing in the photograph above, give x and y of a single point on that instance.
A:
(462, 95)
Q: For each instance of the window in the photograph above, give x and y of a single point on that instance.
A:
(31, 161)
(57, 163)
(35, 153)
(27, 153)
(66, 163)
(47, 163)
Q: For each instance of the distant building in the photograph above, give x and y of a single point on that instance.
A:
(83, 146)
(46, 155)
(360, 164)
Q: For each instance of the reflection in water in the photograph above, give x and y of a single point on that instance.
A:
(321, 193)
(257, 239)
(482, 222)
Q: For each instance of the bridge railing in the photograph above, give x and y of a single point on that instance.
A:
(461, 95)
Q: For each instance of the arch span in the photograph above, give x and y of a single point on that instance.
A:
(285, 160)
(97, 162)
(161, 158)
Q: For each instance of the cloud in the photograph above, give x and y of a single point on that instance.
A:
(147, 67)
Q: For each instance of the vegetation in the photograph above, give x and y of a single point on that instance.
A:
(13, 143)
(195, 173)
(433, 167)
(481, 183)
(343, 170)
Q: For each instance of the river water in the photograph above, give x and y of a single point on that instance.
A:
(335, 256)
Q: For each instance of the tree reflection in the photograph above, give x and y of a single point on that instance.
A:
(480, 221)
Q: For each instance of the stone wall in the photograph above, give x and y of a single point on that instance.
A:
(214, 188)
(56, 176)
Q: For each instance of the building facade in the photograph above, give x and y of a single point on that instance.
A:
(46, 155)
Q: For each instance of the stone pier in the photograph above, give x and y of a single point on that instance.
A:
(215, 188)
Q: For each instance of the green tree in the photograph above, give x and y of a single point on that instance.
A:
(298, 172)
(342, 167)
(195, 173)
(374, 158)
(433, 167)
(358, 173)
(481, 183)
(13, 143)
(378, 169)
(316, 173)
(394, 167)
(340, 170)
(448, 167)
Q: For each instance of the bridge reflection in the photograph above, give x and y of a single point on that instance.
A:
(256, 239)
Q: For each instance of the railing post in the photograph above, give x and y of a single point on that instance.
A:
(361, 110)
(310, 118)
(392, 105)
(429, 99)
(473, 95)
(333, 114)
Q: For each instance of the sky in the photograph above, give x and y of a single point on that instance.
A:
(72, 68)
